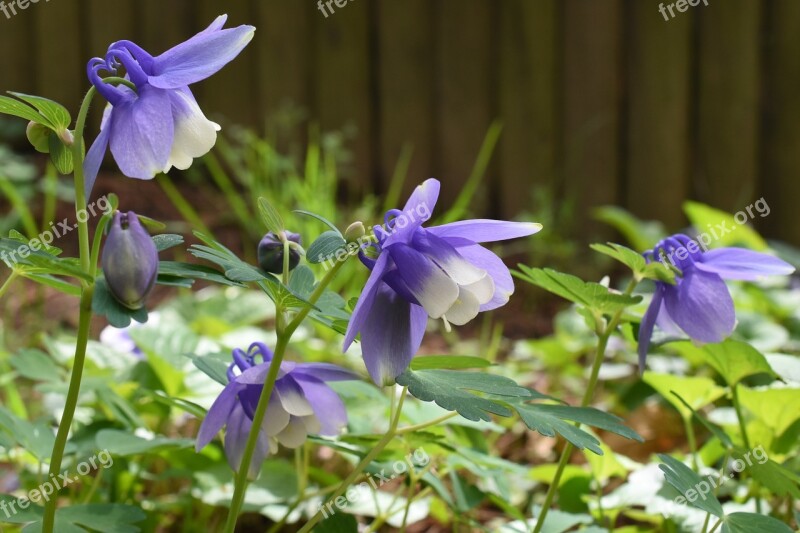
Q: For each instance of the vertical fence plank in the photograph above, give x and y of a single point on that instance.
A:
(464, 90)
(230, 97)
(406, 95)
(283, 46)
(592, 103)
(165, 24)
(343, 92)
(780, 176)
(659, 87)
(17, 33)
(528, 100)
(727, 143)
(60, 60)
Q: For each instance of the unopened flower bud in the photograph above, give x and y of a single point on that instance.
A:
(355, 231)
(130, 260)
(270, 252)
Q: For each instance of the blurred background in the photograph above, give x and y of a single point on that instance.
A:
(600, 101)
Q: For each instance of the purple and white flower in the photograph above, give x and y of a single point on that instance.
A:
(439, 272)
(699, 304)
(159, 125)
(301, 404)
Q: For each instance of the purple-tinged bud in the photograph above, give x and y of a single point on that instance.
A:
(270, 252)
(130, 260)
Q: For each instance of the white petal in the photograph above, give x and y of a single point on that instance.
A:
(465, 308)
(311, 424)
(294, 434)
(194, 136)
(483, 289)
(275, 419)
(293, 401)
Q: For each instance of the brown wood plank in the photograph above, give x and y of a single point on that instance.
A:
(283, 46)
(780, 176)
(19, 68)
(165, 24)
(728, 116)
(61, 63)
(659, 100)
(343, 92)
(229, 97)
(592, 104)
(406, 73)
(464, 92)
(528, 100)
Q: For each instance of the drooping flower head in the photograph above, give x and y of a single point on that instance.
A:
(301, 404)
(699, 304)
(130, 260)
(159, 125)
(441, 272)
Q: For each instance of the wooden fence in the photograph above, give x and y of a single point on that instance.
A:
(603, 101)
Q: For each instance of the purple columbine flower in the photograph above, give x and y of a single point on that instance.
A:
(439, 272)
(301, 404)
(159, 125)
(130, 260)
(699, 303)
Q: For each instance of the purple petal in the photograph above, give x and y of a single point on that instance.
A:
(323, 372)
(236, 440)
(391, 335)
(218, 415)
(491, 263)
(743, 264)
(142, 133)
(424, 198)
(483, 230)
(328, 407)
(94, 158)
(200, 57)
(701, 306)
(364, 305)
(647, 324)
(432, 288)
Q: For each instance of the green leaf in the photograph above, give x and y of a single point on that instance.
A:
(39, 137)
(451, 362)
(123, 443)
(9, 106)
(189, 271)
(750, 522)
(55, 113)
(60, 155)
(778, 479)
(736, 360)
(550, 419)
(36, 365)
(42, 262)
(105, 517)
(633, 260)
(119, 316)
(167, 241)
(642, 234)
(214, 366)
(270, 216)
(589, 294)
(715, 430)
(302, 281)
(696, 391)
(710, 221)
(55, 283)
(686, 482)
(321, 219)
(776, 408)
(450, 390)
(325, 247)
(338, 523)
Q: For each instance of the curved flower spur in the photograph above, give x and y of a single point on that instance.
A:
(441, 272)
(699, 304)
(301, 404)
(160, 124)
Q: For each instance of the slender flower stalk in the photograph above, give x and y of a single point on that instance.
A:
(603, 334)
(85, 318)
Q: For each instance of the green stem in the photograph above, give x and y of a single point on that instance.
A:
(7, 283)
(85, 317)
(365, 462)
(284, 335)
(423, 425)
(692, 440)
(602, 343)
(745, 438)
